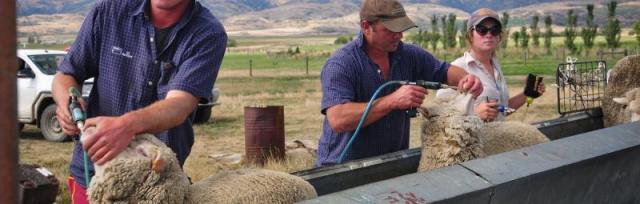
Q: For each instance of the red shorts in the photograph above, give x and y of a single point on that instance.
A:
(78, 193)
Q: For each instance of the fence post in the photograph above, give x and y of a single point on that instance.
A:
(250, 68)
(626, 52)
(8, 121)
(307, 64)
(526, 55)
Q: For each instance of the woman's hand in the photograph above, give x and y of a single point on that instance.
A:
(487, 111)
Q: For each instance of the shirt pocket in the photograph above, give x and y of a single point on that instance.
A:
(167, 72)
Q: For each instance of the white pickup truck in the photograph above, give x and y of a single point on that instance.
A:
(36, 69)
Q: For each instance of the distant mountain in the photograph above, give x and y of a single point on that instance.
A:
(284, 17)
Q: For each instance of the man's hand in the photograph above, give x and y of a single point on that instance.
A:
(406, 97)
(487, 111)
(110, 136)
(472, 84)
(64, 116)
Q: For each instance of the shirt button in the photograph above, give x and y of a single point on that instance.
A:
(155, 61)
(150, 83)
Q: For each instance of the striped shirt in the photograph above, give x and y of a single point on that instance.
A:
(349, 75)
(115, 45)
(494, 87)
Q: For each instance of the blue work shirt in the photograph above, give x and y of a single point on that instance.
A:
(115, 45)
(351, 76)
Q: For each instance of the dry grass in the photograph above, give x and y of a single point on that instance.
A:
(299, 94)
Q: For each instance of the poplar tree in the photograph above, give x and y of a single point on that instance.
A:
(535, 31)
(590, 30)
(612, 31)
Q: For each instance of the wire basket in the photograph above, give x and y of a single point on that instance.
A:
(580, 85)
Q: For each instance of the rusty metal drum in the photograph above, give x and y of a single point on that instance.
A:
(264, 133)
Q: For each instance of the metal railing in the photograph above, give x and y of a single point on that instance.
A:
(580, 85)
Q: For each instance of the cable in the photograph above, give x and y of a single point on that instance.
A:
(364, 116)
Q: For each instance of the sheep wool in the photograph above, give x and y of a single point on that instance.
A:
(251, 186)
(498, 137)
(623, 77)
(631, 100)
(446, 135)
(147, 171)
(451, 136)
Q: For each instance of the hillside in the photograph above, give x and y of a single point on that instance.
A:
(302, 17)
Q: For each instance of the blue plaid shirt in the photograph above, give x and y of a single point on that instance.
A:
(116, 46)
(351, 76)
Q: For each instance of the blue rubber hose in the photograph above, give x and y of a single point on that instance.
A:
(364, 116)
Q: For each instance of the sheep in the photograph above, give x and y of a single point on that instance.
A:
(632, 102)
(446, 135)
(147, 171)
(623, 77)
(504, 136)
(451, 135)
(251, 186)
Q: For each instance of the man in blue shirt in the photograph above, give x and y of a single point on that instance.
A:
(355, 71)
(152, 61)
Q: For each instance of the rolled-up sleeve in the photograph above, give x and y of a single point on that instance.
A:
(434, 69)
(337, 85)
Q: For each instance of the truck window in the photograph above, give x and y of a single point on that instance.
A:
(48, 63)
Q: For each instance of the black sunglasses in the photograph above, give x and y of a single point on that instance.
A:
(482, 30)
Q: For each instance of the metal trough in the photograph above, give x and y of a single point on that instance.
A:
(336, 178)
(601, 166)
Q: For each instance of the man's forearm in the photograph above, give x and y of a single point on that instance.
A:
(60, 87)
(345, 117)
(161, 115)
(454, 75)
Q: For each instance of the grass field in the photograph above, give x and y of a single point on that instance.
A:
(283, 80)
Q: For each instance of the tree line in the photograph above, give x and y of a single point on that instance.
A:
(444, 31)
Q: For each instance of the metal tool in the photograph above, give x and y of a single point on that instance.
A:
(78, 116)
(427, 85)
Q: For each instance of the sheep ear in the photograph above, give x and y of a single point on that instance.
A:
(621, 100)
(158, 164)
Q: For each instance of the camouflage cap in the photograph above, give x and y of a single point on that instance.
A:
(389, 12)
(479, 15)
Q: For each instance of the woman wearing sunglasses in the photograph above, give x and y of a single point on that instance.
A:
(484, 33)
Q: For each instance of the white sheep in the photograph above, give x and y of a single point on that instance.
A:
(147, 171)
(623, 77)
(251, 186)
(450, 135)
(631, 100)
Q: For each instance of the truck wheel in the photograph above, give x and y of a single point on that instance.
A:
(202, 115)
(49, 125)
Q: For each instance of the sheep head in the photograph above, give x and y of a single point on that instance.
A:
(632, 102)
(146, 171)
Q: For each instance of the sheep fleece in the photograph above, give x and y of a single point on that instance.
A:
(251, 186)
(498, 137)
(624, 77)
(114, 183)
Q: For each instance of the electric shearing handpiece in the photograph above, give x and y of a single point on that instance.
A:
(427, 85)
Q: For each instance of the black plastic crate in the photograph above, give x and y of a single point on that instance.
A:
(37, 185)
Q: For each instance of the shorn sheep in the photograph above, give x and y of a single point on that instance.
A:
(631, 100)
(451, 136)
(147, 171)
(622, 78)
